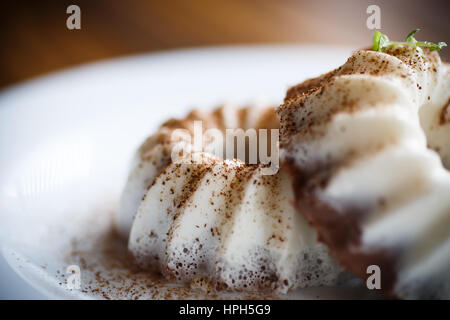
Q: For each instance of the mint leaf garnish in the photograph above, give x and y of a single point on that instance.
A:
(381, 42)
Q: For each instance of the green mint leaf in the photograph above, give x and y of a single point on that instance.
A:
(376, 40)
(381, 42)
(410, 37)
(432, 46)
(438, 46)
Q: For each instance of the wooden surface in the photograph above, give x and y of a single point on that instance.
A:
(34, 39)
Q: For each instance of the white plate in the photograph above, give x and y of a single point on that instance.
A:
(66, 140)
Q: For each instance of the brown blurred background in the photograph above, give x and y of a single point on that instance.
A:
(34, 38)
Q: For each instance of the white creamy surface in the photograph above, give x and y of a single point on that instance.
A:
(233, 223)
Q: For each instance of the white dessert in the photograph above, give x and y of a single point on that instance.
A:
(221, 222)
